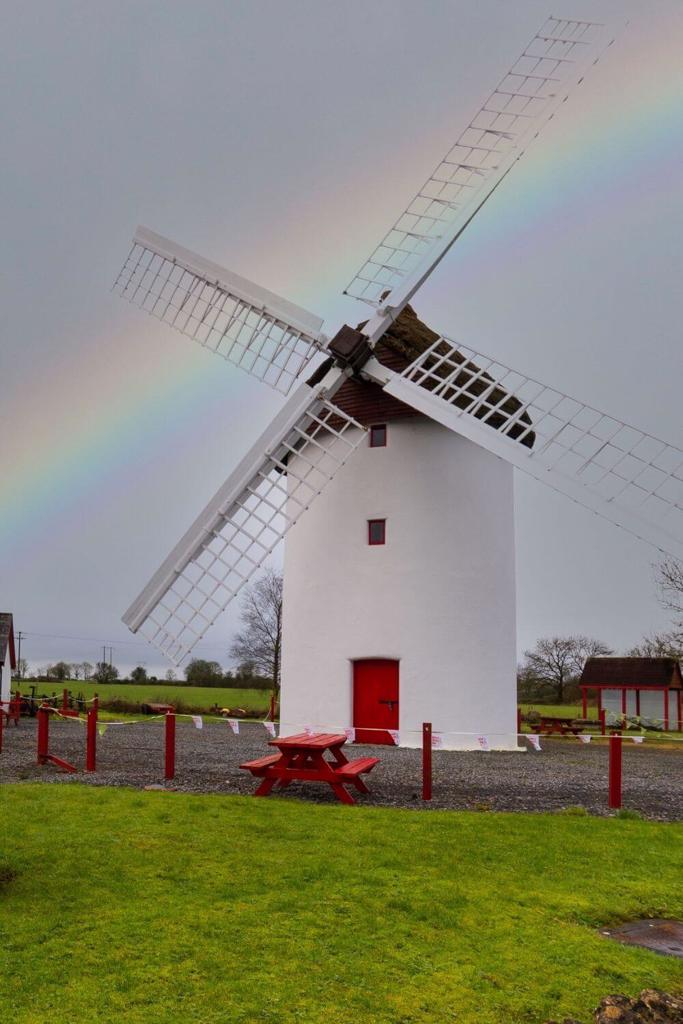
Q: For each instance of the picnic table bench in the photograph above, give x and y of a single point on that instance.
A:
(550, 724)
(302, 758)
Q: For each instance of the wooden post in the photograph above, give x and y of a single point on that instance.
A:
(603, 721)
(426, 760)
(43, 733)
(169, 759)
(615, 771)
(519, 721)
(91, 740)
(65, 699)
(584, 702)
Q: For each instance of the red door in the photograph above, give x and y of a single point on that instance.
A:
(375, 699)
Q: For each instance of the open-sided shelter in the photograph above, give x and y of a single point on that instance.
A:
(647, 688)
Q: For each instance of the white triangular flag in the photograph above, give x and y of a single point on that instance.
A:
(350, 735)
(637, 739)
(395, 736)
(234, 725)
(584, 737)
(483, 742)
(534, 740)
(198, 721)
(437, 740)
(270, 728)
(102, 728)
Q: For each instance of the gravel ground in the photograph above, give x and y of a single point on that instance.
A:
(566, 773)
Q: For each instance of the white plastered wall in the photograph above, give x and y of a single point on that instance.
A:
(439, 596)
(5, 680)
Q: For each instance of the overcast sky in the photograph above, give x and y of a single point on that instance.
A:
(281, 139)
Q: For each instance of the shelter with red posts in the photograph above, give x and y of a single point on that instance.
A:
(8, 659)
(650, 689)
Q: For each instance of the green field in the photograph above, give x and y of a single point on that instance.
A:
(162, 908)
(200, 697)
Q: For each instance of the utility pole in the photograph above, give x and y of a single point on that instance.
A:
(19, 636)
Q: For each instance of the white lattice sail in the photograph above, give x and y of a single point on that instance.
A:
(624, 474)
(264, 334)
(232, 538)
(525, 98)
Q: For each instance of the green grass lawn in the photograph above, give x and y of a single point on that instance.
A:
(202, 697)
(140, 908)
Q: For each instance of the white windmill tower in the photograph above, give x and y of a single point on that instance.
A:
(399, 598)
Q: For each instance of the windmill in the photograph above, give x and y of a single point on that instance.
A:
(390, 467)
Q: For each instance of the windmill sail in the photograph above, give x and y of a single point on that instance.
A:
(264, 334)
(233, 536)
(550, 65)
(620, 472)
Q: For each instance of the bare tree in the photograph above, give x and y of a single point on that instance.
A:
(557, 661)
(22, 668)
(86, 669)
(659, 645)
(170, 676)
(105, 673)
(260, 639)
(670, 580)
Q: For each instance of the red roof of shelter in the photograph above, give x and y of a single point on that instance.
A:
(632, 672)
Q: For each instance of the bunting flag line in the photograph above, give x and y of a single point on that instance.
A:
(483, 742)
(437, 740)
(534, 740)
(583, 737)
(234, 725)
(350, 735)
(198, 721)
(394, 733)
(270, 728)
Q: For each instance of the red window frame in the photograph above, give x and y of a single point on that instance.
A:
(378, 435)
(382, 523)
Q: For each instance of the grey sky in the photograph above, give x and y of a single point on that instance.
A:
(281, 139)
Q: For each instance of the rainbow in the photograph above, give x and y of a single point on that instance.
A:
(633, 123)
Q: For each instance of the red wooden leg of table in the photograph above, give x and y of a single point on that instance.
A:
(341, 793)
(360, 785)
(266, 786)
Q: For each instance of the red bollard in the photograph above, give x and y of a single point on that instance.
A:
(169, 759)
(2, 722)
(615, 772)
(519, 721)
(43, 733)
(65, 700)
(603, 721)
(91, 741)
(426, 760)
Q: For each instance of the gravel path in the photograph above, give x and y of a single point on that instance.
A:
(566, 773)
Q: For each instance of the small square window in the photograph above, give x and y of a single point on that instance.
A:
(378, 435)
(377, 531)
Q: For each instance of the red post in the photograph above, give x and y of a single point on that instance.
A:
(426, 760)
(519, 720)
(15, 707)
(615, 771)
(169, 760)
(2, 722)
(65, 699)
(584, 702)
(603, 721)
(91, 740)
(43, 733)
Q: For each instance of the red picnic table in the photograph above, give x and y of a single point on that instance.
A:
(302, 758)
